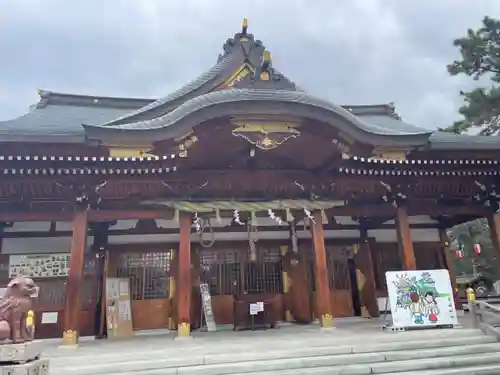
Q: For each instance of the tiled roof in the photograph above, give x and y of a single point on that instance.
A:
(446, 141)
(53, 123)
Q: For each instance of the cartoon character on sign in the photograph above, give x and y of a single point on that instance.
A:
(416, 307)
(431, 307)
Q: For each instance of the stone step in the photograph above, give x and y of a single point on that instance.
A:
(286, 361)
(216, 352)
(485, 363)
(474, 370)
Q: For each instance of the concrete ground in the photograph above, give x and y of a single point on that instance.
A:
(347, 331)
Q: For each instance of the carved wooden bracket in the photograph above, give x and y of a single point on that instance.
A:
(85, 196)
(487, 195)
(395, 194)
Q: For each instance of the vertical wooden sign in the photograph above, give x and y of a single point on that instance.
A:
(206, 301)
(118, 308)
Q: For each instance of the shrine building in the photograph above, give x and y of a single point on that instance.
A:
(240, 180)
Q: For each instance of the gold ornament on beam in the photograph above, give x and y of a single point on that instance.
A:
(265, 136)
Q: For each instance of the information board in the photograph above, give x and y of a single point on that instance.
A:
(206, 301)
(118, 308)
(421, 298)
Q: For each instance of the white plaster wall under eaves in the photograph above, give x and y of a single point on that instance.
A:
(47, 245)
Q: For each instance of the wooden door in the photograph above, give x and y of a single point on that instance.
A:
(148, 272)
(339, 280)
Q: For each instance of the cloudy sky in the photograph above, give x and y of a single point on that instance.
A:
(351, 52)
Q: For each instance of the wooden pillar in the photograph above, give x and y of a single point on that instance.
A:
(75, 277)
(286, 287)
(405, 243)
(184, 276)
(445, 257)
(321, 272)
(494, 224)
(364, 276)
(171, 318)
(2, 226)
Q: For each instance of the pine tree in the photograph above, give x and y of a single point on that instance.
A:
(480, 58)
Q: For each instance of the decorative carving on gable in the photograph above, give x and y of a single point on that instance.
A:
(264, 134)
(138, 152)
(387, 154)
(239, 74)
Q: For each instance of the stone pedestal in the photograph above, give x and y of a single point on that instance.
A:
(23, 359)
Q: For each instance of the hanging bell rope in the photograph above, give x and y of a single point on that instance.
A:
(206, 226)
(295, 242)
(324, 218)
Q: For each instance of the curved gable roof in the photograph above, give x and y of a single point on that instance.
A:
(232, 102)
(242, 49)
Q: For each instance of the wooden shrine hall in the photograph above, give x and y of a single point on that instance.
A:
(240, 180)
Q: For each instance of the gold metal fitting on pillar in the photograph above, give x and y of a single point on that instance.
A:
(183, 330)
(326, 320)
(70, 337)
(30, 323)
(471, 295)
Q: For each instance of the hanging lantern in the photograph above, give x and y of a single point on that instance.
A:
(459, 254)
(477, 248)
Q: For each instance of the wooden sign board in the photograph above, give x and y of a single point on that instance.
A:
(118, 308)
(421, 298)
(206, 301)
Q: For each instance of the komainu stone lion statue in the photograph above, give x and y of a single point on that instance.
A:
(14, 307)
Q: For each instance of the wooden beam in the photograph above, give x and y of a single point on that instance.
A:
(93, 215)
(321, 272)
(405, 242)
(75, 278)
(184, 277)
(225, 229)
(364, 275)
(417, 207)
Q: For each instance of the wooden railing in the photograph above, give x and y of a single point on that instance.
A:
(485, 316)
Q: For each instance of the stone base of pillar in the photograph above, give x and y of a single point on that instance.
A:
(23, 358)
(171, 324)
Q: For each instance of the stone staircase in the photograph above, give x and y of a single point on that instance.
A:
(451, 351)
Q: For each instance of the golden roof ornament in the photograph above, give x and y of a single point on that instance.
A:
(266, 61)
(244, 26)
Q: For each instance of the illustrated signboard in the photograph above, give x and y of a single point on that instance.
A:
(33, 265)
(206, 301)
(421, 298)
(118, 308)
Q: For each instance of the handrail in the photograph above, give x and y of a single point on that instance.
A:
(482, 311)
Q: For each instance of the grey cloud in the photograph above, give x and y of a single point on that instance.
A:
(361, 52)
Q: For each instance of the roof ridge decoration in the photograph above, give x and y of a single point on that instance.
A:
(239, 51)
(48, 97)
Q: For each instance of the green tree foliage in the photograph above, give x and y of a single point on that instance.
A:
(468, 234)
(480, 57)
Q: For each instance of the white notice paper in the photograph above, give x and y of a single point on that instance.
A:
(260, 306)
(49, 317)
(254, 309)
